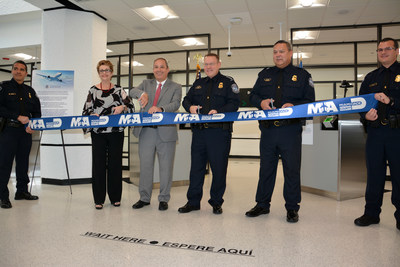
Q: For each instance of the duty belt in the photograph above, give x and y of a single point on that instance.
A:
(212, 125)
(392, 122)
(14, 123)
(278, 123)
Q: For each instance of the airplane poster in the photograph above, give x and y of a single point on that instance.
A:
(55, 89)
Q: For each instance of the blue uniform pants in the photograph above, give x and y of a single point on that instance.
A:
(383, 143)
(284, 141)
(14, 143)
(212, 145)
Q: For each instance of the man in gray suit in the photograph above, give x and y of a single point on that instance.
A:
(164, 95)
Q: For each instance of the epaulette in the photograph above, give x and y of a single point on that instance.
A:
(229, 77)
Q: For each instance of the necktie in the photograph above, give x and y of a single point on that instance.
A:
(278, 92)
(382, 114)
(158, 92)
(207, 99)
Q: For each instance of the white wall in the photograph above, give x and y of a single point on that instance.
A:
(24, 29)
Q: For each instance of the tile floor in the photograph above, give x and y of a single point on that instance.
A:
(61, 229)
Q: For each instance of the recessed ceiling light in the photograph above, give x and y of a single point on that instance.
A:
(189, 42)
(306, 3)
(108, 51)
(160, 12)
(303, 35)
(23, 56)
(135, 64)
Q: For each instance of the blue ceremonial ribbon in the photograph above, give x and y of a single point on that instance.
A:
(354, 104)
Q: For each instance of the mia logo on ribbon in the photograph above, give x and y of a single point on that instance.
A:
(322, 107)
(77, 122)
(186, 117)
(39, 124)
(129, 119)
(358, 103)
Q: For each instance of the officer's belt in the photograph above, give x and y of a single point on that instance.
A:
(278, 123)
(212, 125)
(14, 123)
(393, 122)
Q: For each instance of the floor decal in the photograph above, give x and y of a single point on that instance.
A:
(175, 245)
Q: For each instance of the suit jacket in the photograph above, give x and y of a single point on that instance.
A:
(169, 100)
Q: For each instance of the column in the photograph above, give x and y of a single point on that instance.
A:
(72, 40)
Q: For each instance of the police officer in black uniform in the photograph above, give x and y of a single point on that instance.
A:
(383, 128)
(18, 103)
(281, 86)
(210, 141)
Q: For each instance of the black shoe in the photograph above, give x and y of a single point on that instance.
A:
(163, 205)
(98, 206)
(256, 211)
(217, 209)
(292, 216)
(366, 220)
(140, 204)
(5, 204)
(187, 208)
(25, 195)
(116, 204)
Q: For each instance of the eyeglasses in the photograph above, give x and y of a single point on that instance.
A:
(105, 70)
(210, 64)
(386, 49)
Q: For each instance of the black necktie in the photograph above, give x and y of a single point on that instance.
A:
(278, 92)
(207, 99)
(382, 114)
(20, 94)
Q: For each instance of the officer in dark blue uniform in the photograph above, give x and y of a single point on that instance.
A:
(281, 86)
(210, 141)
(383, 128)
(18, 103)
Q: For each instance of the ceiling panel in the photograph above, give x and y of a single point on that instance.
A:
(260, 25)
(220, 7)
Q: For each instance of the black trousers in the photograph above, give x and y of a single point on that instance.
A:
(285, 141)
(211, 145)
(107, 166)
(14, 143)
(383, 144)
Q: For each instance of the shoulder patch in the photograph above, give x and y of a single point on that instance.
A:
(235, 88)
(310, 82)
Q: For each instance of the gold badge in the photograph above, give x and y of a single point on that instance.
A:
(267, 79)
(12, 93)
(397, 79)
(30, 95)
(198, 87)
(221, 85)
(294, 78)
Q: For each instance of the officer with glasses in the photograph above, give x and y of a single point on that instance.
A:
(383, 128)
